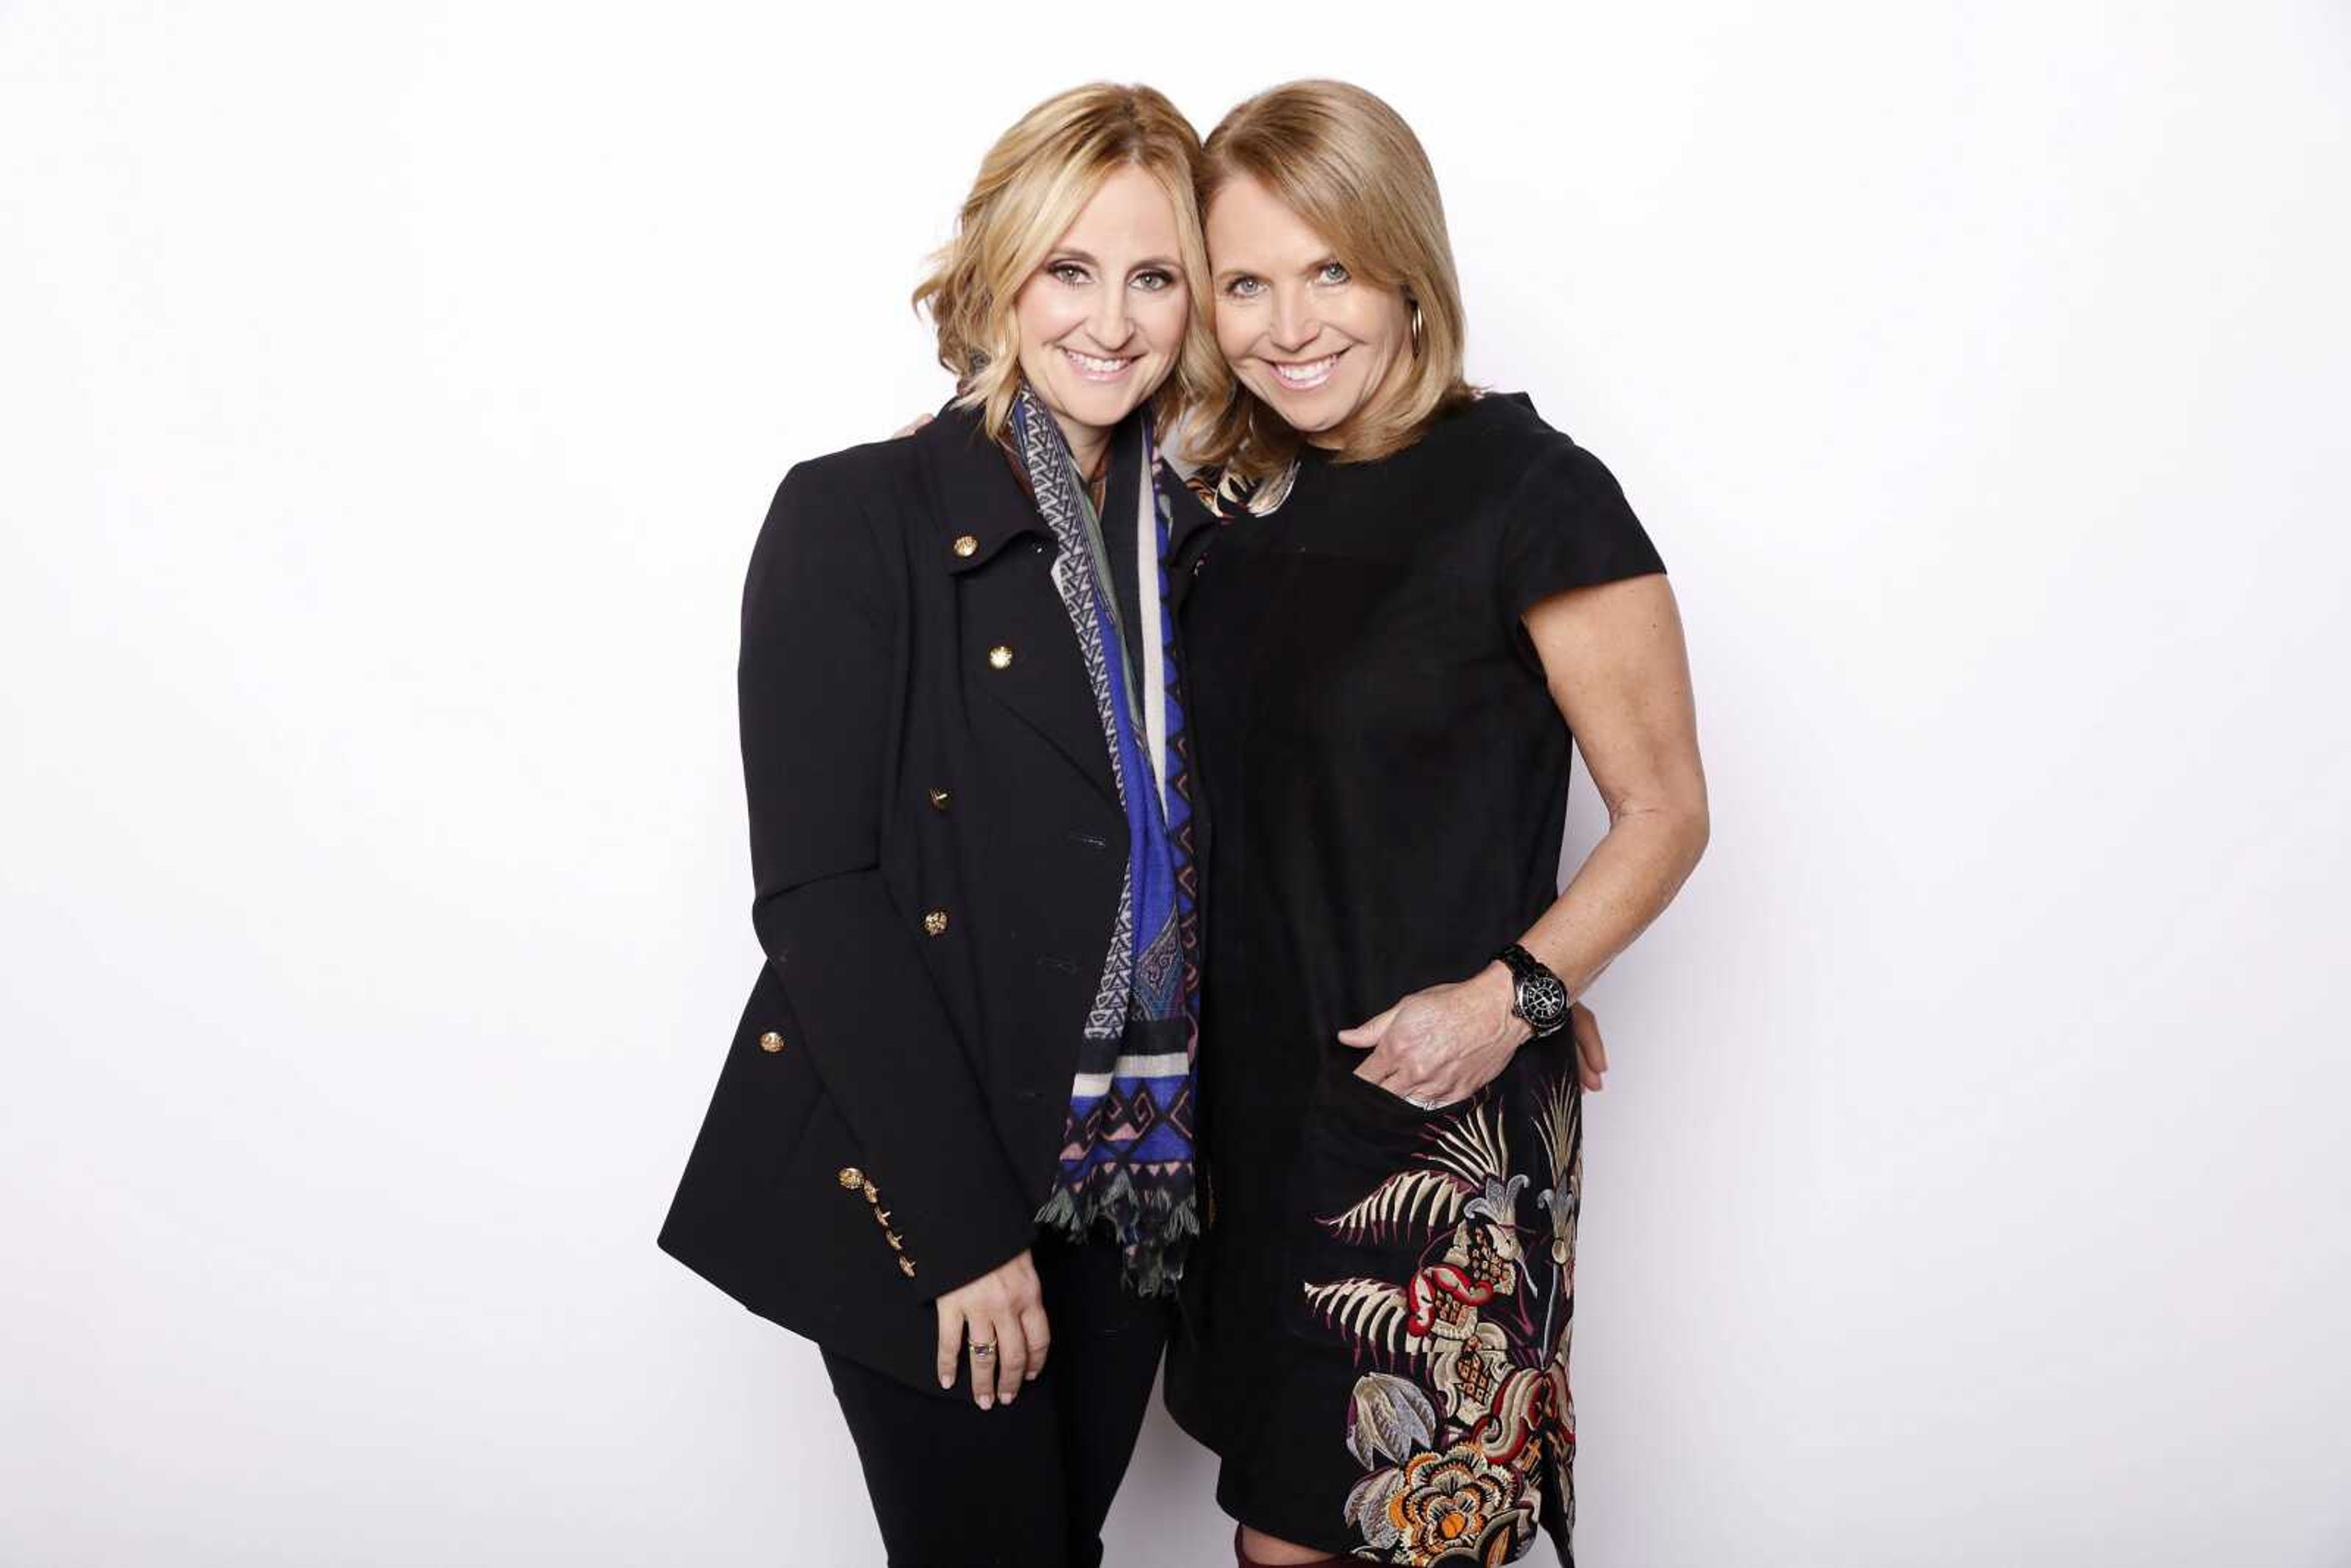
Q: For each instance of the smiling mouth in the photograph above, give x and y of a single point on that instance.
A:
(1095, 369)
(1305, 375)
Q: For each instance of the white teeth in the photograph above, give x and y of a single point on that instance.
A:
(1308, 375)
(1098, 367)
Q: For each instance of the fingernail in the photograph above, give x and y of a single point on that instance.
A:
(985, 1402)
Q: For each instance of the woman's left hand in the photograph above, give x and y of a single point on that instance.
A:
(1449, 1041)
(1442, 1044)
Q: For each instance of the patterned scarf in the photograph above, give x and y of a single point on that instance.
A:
(1126, 1155)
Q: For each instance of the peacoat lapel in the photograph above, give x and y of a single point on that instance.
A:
(1014, 636)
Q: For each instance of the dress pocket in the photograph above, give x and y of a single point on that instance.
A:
(1366, 1197)
(1340, 1079)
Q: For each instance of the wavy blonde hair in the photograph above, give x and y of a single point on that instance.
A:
(1352, 170)
(1032, 187)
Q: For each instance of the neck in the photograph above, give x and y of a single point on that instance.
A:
(1088, 442)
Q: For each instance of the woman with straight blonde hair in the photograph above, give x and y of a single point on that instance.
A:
(954, 1128)
(1420, 598)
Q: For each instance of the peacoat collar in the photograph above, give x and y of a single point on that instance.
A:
(982, 506)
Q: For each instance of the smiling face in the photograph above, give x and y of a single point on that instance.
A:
(1102, 319)
(1317, 345)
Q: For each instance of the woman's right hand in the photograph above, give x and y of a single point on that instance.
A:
(1004, 1307)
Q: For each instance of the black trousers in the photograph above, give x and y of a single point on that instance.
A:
(1030, 1482)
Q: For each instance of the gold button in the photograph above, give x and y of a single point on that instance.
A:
(851, 1177)
(1001, 656)
(771, 1041)
(938, 800)
(906, 1265)
(967, 545)
(936, 922)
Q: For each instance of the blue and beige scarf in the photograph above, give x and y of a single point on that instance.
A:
(1126, 1162)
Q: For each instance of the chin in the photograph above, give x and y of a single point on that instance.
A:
(1310, 414)
(1096, 406)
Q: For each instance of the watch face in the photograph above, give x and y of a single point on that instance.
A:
(1543, 1002)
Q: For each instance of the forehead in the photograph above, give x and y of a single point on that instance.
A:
(1248, 225)
(1129, 209)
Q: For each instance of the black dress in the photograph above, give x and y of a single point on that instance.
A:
(1377, 1321)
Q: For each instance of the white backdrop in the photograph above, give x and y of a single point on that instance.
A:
(389, 395)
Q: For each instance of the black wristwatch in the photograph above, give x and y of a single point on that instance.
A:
(1539, 999)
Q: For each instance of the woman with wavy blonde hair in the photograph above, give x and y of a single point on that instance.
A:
(1421, 599)
(955, 1127)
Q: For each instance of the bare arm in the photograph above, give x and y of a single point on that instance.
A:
(1614, 658)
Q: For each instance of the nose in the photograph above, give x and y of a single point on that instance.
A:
(1109, 323)
(1293, 324)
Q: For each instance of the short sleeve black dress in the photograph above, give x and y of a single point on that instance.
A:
(1376, 1323)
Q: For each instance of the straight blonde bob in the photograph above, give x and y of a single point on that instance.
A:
(1352, 170)
(1032, 187)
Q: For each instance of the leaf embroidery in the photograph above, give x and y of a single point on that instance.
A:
(1429, 1197)
(1373, 1311)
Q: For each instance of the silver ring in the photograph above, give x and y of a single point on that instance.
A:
(980, 1350)
(1423, 1104)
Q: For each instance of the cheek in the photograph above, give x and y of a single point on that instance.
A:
(1165, 319)
(1381, 327)
(1233, 335)
(1045, 317)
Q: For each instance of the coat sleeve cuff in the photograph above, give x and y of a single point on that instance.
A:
(890, 1060)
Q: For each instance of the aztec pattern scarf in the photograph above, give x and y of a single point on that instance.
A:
(1126, 1161)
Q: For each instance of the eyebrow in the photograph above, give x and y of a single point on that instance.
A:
(1070, 253)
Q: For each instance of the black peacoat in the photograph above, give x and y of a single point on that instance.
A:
(937, 848)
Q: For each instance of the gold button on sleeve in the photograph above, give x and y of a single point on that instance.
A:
(1001, 656)
(771, 1041)
(967, 545)
(851, 1177)
(936, 923)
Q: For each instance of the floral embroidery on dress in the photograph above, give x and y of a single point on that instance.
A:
(1468, 1395)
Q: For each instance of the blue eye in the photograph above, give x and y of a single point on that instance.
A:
(1332, 272)
(1154, 282)
(1243, 288)
(1067, 272)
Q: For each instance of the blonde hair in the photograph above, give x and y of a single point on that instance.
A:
(1352, 170)
(1032, 187)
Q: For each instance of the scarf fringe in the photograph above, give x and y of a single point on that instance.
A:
(1154, 1224)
